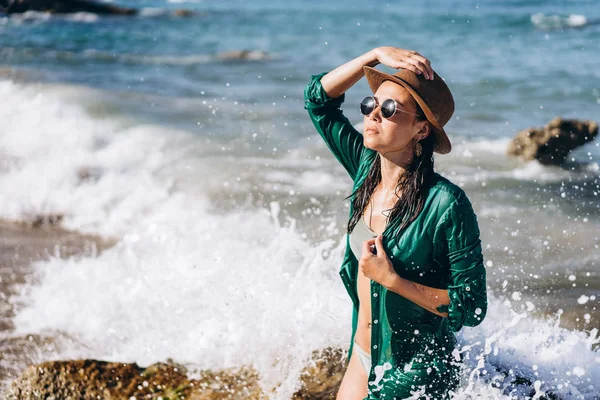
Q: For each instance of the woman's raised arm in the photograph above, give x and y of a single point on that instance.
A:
(339, 80)
(336, 82)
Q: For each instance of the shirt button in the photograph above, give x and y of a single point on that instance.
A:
(467, 288)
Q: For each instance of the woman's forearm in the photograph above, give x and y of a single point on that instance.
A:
(336, 82)
(427, 297)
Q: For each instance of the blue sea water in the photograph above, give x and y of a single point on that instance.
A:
(195, 158)
(501, 67)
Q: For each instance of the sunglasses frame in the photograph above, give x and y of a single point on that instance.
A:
(396, 108)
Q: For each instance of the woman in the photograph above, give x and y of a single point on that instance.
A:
(413, 265)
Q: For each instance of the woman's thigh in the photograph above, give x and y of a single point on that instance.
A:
(354, 383)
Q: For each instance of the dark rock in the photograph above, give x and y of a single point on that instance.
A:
(184, 13)
(93, 379)
(552, 143)
(63, 7)
(243, 55)
(321, 379)
(74, 6)
(89, 174)
(38, 221)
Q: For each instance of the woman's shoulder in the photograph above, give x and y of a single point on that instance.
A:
(446, 192)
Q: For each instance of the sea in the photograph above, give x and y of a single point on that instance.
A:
(185, 140)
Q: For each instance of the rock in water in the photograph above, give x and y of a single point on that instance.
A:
(552, 143)
(243, 55)
(321, 379)
(63, 7)
(74, 6)
(92, 379)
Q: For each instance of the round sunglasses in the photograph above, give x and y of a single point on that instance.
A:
(388, 107)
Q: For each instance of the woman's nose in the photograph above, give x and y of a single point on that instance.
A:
(376, 114)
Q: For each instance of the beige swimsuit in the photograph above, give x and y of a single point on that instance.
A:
(358, 236)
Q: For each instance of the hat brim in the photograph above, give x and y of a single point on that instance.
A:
(375, 78)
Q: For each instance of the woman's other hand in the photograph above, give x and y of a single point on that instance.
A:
(395, 57)
(376, 267)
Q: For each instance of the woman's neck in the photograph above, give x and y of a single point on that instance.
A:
(393, 166)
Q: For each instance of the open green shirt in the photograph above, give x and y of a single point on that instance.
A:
(410, 346)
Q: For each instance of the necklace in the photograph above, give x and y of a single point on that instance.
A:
(385, 213)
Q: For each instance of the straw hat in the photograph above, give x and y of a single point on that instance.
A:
(433, 96)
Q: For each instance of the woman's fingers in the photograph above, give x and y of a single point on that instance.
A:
(420, 65)
(409, 66)
(426, 63)
(379, 245)
(366, 247)
(408, 59)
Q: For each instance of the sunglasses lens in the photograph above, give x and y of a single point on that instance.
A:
(388, 108)
(367, 105)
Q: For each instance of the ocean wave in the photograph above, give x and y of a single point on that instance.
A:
(555, 22)
(83, 17)
(40, 16)
(44, 178)
(234, 55)
(185, 1)
(128, 307)
(124, 58)
(482, 160)
(187, 280)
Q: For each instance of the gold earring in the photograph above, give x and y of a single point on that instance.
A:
(418, 149)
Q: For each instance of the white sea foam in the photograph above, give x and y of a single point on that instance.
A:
(152, 12)
(51, 141)
(39, 16)
(476, 145)
(512, 341)
(83, 17)
(202, 289)
(158, 295)
(211, 289)
(546, 21)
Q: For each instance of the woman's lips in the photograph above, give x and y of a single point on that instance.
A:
(372, 131)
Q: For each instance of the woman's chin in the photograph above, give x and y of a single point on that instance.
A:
(371, 143)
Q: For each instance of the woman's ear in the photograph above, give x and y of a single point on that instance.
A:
(425, 130)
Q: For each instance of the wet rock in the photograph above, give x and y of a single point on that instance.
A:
(74, 6)
(93, 379)
(243, 55)
(551, 144)
(184, 13)
(321, 379)
(39, 220)
(89, 174)
(63, 7)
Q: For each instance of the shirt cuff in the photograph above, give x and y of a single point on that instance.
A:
(315, 96)
(462, 301)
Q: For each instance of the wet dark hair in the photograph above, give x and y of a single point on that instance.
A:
(413, 184)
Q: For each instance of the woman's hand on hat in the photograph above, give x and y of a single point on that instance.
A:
(395, 57)
(376, 267)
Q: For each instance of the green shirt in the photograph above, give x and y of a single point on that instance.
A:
(410, 346)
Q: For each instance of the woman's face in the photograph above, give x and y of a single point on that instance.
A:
(398, 132)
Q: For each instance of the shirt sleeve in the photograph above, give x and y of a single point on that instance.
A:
(467, 288)
(344, 141)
